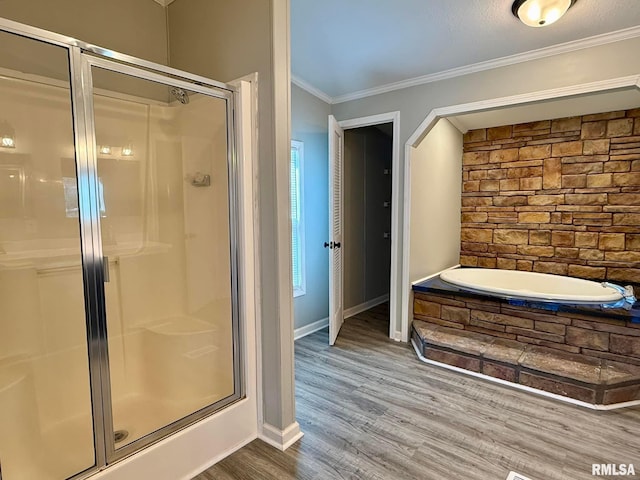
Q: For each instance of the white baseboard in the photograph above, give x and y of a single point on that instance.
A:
(311, 328)
(350, 312)
(397, 336)
(280, 439)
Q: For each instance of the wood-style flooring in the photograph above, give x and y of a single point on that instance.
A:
(370, 410)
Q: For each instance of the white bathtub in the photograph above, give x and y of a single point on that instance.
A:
(531, 285)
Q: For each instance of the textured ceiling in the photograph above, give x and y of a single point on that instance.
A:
(345, 46)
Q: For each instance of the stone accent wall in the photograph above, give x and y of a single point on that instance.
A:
(557, 196)
(590, 335)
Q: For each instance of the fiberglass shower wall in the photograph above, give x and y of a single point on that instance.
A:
(163, 198)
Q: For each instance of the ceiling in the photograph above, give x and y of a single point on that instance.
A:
(340, 47)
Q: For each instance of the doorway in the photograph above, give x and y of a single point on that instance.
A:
(367, 217)
(362, 215)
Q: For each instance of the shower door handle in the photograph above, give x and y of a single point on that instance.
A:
(105, 269)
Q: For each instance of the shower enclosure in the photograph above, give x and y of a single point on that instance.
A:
(119, 319)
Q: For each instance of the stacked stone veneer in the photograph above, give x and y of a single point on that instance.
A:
(578, 355)
(590, 335)
(558, 196)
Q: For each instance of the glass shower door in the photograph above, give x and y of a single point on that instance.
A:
(46, 425)
(165, 204)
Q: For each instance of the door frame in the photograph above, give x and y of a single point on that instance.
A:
(395, 293)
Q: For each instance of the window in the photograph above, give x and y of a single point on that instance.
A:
(297, 224)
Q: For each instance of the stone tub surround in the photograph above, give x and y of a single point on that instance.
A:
(591, 380)
(575, 329)
(557, 196)
(586, 353)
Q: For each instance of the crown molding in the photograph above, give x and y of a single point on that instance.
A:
(164, 3)
(572, 46)
(311, 89)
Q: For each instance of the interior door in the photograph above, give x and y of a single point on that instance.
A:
(336, 156)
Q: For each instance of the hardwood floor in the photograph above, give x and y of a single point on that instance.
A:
(370, 410)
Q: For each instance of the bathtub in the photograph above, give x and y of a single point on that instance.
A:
(532, 285)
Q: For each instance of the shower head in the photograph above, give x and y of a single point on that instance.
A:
(180, 94)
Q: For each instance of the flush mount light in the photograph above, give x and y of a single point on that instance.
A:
(105, 150)
(540, 13)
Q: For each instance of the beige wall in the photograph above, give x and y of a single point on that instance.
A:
(436, 166)
(588, 65)
(135, 27)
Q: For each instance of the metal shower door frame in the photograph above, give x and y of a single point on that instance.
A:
(82, 58)
(88, 61)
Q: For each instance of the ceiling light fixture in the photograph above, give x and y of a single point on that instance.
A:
(540, 13)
